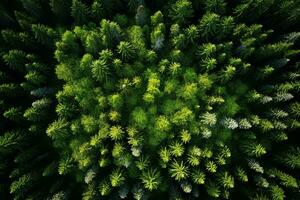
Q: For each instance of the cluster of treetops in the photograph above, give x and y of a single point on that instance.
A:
(140, 99)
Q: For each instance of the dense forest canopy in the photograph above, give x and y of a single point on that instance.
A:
(140, 99)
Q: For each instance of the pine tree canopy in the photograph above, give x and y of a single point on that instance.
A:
(149, 99)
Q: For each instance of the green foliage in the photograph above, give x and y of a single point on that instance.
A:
(295, 109)
(151, 179)
(211, 167)
(65, 165)
(67, 45)
(15, 59)
(253, 149)
(213, 27)
(104, 188)
(285, 179)
(10, 141)
(178, 170)
(141, 16)
(290, 158)
(157, 36)
(225, 180)
(241, 175)
(100, 70)
(13, 113)
(116, 132)
(117, 178)
(209, 119)
(126, 50)
(22, 184)
(181, 11)
(139, 117)
(115, 101)
(277, 193)
(97, 9)
(109, 99)
(157, 18)
(198, 177)
(213, 190)
(162, 123)
(111, 32)
(176, 149)
(79, 11)
(44, 34)
(58, 129)
(182, 116)
(216, 6)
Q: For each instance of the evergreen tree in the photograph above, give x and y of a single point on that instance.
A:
(181, 11)
(178, 170)
(151, 179)
(100, 100)
(79, 11)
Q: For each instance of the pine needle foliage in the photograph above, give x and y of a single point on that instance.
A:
(138, 99)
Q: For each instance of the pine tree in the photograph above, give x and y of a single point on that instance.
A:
(277, 193)
(254, 149)
(157, 18)
(209, 25)
(58, 129)
(241, 174)
(22, 184)
(295, 109)
(100, 70)
(254, 165)
(97, 9)
(290, 158)
(14, 113)
(44, 34)
(230, 123)
(138, 90)
(117, 178)
(216, 6)
(65, 165)
(211, 167)
(139, 117)
(126, 50)
(198, 177)
(16, 60)
(212, 189)
(141, 16)
(24, 20)
(176, 149)
(158, 36)
(162, 123)
(151, 179)
(164, 155)
(209, 119)
(178, 170)
(226, 180)
(10, 141)
(79, 11)
(116, 132)
(285, 179)
(181, 11)
(104, 188)
(186, 187)
(111, 32)
(92, 43)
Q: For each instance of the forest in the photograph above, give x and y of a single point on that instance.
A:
(149, 99)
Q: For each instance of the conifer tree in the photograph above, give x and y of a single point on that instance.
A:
(182, 99)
